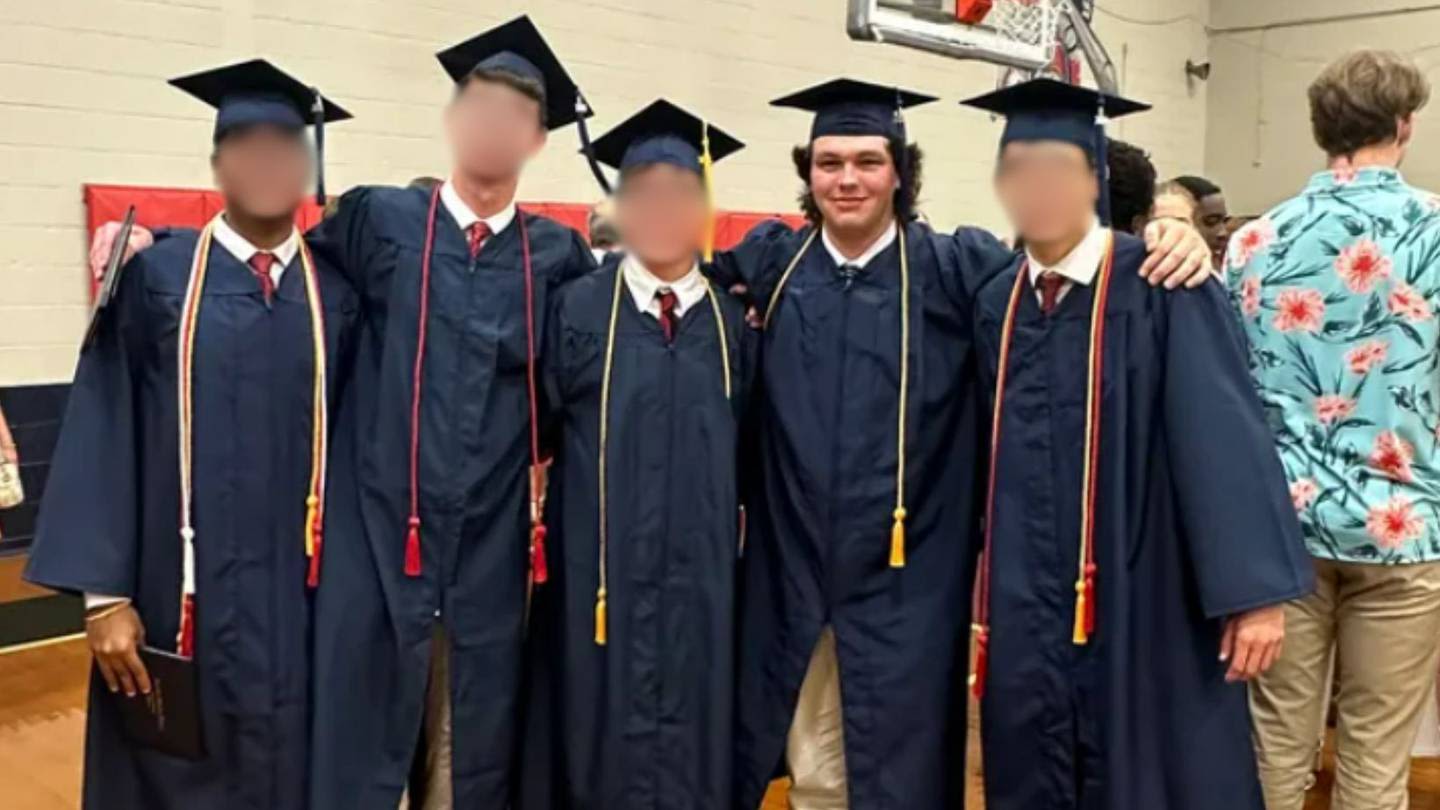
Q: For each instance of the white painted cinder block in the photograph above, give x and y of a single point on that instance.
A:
(83, 99)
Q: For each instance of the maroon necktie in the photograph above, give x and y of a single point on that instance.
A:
(260, 265)
(476, 234)
(668, 321)
(1050, 285)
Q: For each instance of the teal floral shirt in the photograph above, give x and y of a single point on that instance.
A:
(1337, 289)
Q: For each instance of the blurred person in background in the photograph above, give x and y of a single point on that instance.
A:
(1174, 201)
(1212, 216)
(604, 234)
(1132, 186)
(1338, 289)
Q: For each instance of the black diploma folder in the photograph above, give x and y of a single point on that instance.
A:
(167, 719)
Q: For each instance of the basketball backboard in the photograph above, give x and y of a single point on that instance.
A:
(1023, 36)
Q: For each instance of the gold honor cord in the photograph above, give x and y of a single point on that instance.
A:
(897, 529)
(602, 592)
(189, 325)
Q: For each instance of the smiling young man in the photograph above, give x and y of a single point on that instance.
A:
(187, 528)
(855, 615)
(647, 372)
(1140, 541)
(429, 543)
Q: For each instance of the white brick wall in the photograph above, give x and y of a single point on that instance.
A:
(83, 99)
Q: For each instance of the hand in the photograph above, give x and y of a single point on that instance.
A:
(100, 246)
(1252, 642)
(116, 635)
(8, 452)
(1178, 255)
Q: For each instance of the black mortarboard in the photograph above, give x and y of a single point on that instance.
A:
(850, 107)
(663, 133)
(1050, 110)
(517, 48)
(257, 92)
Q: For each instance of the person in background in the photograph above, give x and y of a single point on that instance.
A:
(183, 495)
(1338, 294)
(1212, 216)
(644, 527)
(1135, 568)
(604, 235)
(1132, 186)
(1174, 201)
(11, 493)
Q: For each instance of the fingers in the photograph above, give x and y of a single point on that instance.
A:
(1241, 662)
(108, 673)
(121, 668)
(1227, 641)
(1163, 241)
(138, 673)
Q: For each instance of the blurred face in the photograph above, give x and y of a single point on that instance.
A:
(1048, 188)
(1211, 219)
(1174, 206)
(263, 171)
(494, 129)
(661, 211)
(853, 179)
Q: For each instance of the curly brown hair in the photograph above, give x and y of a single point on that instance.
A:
(907, 197)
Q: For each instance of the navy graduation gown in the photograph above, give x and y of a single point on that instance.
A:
(374, 623)
(1194, 525)
(819, 537)
(644, 722)
(110, 519)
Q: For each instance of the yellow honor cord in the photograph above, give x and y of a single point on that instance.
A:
(897, 532)
(1083, 609)
(319, 406)
(785, 277)
(707, 172)
(602, 591)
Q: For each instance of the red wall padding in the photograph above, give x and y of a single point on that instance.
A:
(192, 208)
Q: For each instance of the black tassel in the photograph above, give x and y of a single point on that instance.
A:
(319, 112)
(582, 111)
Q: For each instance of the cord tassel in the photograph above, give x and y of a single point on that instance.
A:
(187, 626)
(1090, 599)
(412, 549)
(312, 579)
(600, 619)
(982, 662)
(1081, 635)
(897, 539)
(539, 569)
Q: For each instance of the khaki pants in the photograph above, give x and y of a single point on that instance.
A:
(1384, 624)
(432, 785)
(815, 750)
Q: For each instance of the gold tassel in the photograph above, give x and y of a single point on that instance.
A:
(312, 504)
(897, 539)
(707, 171)
(600, 619)
(1080, 637)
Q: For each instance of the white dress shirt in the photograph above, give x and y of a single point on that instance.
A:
(644, 285)
(465, 217)
(1079, 266)
(885, 240)
(242, 249)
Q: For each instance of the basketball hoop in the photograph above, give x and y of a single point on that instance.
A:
(1026, 38)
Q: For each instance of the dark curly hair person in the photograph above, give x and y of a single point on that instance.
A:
(1132, 186)
(907, 196)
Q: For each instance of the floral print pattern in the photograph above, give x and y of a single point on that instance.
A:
(1337, 289)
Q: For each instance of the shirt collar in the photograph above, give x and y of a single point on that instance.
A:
(643, 284)
(885, 240)
(465, 217)
(1367, 177)
(242, 249)
(1079, 265)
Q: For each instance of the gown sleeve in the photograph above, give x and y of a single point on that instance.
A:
(968, 259)
(1232, 502)
(341, 238)
(87, 540)
(756, 263)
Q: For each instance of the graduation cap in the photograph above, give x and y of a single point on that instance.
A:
(257, 92)
(518, 48)
(1050, 110)
(851, 107)
(664, 133)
